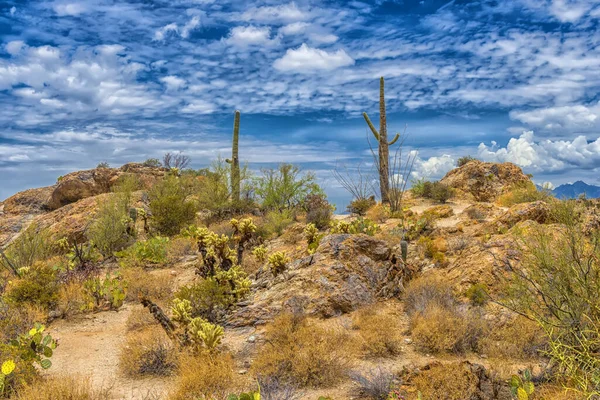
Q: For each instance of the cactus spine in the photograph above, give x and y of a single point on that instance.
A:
(381, 137)
(235, 160)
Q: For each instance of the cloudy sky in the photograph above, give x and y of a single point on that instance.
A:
(97, 80)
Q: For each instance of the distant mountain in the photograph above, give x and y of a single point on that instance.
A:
(573, 190)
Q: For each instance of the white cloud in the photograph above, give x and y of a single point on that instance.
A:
(173, 82)
(198, 107)
(13, 10)
(294, 28)
(434, 167)
(561, 117)
(190, 26)
(14, 47)
(307, 59)
(69, 9)
(570, 10)
(275, 14)
(545, 155)
(249, 35)
(161, 33)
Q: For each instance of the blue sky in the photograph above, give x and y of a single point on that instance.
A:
(96, 80)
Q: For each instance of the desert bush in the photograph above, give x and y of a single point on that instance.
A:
(103, 164)
(360, 206)
(428, 290)
(144, 253)
(378, 213)
(63, 387)
(477, 294)
(108, 293)
(38, 285)
(179, 247)
(464, 160)
(204, 377)
(318, 210)
(523, 193)
(109, 229)
(152, 162)
(275, 223)
(359, 225)
(476, 214)
(566, 306)
(141, 283)
(272, 388)
(32, 245)
(442, 330)
(208, 299)
(302, 353)
(178, 161)
(71, 299)
(380, 334)
(285, 187)
(454, 381)
(139, 319)
(169, 205)
(148, 352)
(432, 190)
(16, 319)
(518, 338)
(376, 384)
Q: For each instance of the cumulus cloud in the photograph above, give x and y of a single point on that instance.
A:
(162, 33)
(562, 117)
(184, 31)
(249, 35)
(173, 82)
(433, 167)
(307, 59)
(69, 9)
(544, 155)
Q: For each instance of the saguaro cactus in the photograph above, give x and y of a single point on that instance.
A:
(235, 160)
(384, 152)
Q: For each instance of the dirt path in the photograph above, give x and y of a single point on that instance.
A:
(91, 346)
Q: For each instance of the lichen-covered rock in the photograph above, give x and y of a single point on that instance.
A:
(482, 181)
(538, 211)
(346, 272)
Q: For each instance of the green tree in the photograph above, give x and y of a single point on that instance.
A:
(285, 187)
(170, 207)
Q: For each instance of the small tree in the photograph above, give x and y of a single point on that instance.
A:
(285, 187)
(171, 210)
(178, 161)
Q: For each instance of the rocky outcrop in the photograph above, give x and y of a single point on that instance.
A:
(346, 272)
(538, 211)
(82, 184)
(482, 181)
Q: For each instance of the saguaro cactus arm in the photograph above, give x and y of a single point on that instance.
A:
(395, 139)
(371, 126)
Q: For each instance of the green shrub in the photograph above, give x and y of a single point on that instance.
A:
(523, 193)
(464, 160)
(103, 164)
(171, 210)
(33, 244)
(285, 187)
(318, 210)
(432, 190)
(109, 229)
(477, 293)
(152, 251)
(152, 162)
(208, 299)
(275, 223)
(38, 285)
(360, 206)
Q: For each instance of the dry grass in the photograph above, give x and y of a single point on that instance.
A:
(64, 388)
(148, 352)
(303, 353)
(156, 286)
(180, 247)
(140, 318)
(378, 213)
(517, 339)
(71, 299)
(18, 319)
(448, 382)
(427, 290)
(523, 193)
(380, 334)
(205, 377)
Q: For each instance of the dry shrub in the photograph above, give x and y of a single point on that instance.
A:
(380, 333)
(304, 354)
(140, 318)
(375, 384)
(441, 330)
(64, 387)
(148, 352)
(18, 319)
(179, 247)
(555, 392)
(523, 193)
(71, 299)
(157, 286)
(378, 213)
(517, 339)
(448, 382)
(427, 290)
(205, 377)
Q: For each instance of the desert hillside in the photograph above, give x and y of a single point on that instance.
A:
(146, 282)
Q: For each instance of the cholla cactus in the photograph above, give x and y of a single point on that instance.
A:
(340, 227)
(182, 311)
(278, 262)
(260, 252)
(313, 237)
(204, 334)
(242, 230)
(236, 279)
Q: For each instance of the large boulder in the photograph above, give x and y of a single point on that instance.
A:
(538, 211)
(346, 272)
(483, 181)
(83, 184)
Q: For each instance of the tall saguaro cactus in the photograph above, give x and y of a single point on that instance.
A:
(235, 160)
(381, 137)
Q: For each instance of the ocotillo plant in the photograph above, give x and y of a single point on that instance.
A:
(384, 151)
(235, 160)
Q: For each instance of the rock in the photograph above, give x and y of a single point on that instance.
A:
(484, 181)
(252, 339)
(346, 272)
(442, 211)
(243, 371)
(537, 211)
